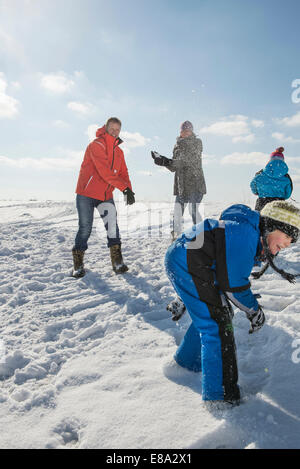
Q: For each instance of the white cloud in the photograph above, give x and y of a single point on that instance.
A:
(57, 83)
(278, 136)
(133, 140)
(208, 159)
(91, 131)
(130, 140)
(16, 85)
(293, 159)
(255, 158)
(232, 126)
(236, 126)
(60, 124)
(247, 138)
(257, 123)
(9, 106)
(83, 109)
(293, 121)
(284, 139)
(69, 160)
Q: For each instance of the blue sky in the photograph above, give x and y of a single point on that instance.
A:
(231, 67)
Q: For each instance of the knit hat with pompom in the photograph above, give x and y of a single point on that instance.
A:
(282, 216)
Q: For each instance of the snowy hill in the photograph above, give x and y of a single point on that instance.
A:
(88, 363)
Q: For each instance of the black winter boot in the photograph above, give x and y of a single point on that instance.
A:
(78, 270)
(117, 260)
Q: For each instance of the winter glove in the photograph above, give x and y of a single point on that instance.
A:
(257, 320)
(177, 308)
(159, 159)
(129, 196)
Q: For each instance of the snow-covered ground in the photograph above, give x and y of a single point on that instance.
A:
(88, 363)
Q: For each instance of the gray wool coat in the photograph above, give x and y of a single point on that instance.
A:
(187, 165)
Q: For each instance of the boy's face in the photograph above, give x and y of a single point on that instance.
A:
(278, 240)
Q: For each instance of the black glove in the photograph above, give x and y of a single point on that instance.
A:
(159, 159)
(129, 196)
(257, 320)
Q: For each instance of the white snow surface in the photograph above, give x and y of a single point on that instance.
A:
(88, 363)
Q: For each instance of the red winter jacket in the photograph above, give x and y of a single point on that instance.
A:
(103, 168)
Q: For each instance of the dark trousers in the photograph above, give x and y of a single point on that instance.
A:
(107, 211)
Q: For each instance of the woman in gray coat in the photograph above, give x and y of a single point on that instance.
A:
(189, 182)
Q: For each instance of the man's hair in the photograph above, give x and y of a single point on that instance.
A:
(115, 120)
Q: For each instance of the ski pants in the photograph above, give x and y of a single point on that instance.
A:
(107, 211)
(208, 345)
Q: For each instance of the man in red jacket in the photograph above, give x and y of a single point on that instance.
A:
(103, 169)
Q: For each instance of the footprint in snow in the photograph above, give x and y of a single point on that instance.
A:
(69, 430)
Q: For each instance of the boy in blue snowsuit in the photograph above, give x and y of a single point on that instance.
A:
(211, 264)
(272, 183)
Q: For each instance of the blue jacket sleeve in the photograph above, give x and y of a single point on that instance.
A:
(235, 264)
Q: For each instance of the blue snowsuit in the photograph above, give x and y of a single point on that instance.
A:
(271, 183)
(206, 264)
